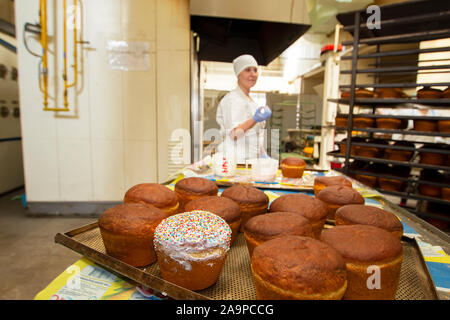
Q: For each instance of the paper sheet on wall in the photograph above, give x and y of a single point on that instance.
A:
(128, 55)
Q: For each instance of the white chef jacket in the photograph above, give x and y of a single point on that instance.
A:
(234, 109)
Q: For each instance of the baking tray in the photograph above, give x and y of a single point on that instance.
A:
(266, 186)
(242, 177)
(235, 281)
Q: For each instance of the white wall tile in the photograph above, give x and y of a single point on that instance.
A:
(75, 170)
(138, 19)
(76, 126)
(172, 25)
(140, 103)
(34, 121)
(173, 94)
(41, 169)
(103, 16)
(140, 162)
(105, 85)
(108, 170)
(105, 98)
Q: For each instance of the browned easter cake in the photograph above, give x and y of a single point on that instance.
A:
(188, 189)
(274, 225)
(327, 181)
(155, 194)
(337, 196)
(309, 207)
(300, 268)
(369, 215)
(365, 249)
(127, 232)
(250, 200)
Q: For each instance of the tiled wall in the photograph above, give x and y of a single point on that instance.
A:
(116, 134)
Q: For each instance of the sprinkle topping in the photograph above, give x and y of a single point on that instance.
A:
(198, 227)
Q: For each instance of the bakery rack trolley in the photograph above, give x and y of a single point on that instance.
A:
(401, 23)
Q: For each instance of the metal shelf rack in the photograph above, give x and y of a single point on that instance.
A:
(406, 22)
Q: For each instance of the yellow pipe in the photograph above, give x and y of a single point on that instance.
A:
(41, 87)
(75, 52)
(66, 103)
(45, 54)
(56, 109)
(44, 43)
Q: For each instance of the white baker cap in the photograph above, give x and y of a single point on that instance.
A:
(242, 62)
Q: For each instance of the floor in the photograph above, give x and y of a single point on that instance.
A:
(29, 257)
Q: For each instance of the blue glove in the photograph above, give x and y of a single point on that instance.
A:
(262, 114)
(264, 155)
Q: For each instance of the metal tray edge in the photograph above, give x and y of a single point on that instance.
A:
(162, 285)
(139, 276)
(413, 241)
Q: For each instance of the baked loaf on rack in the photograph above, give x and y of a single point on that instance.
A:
(444, 126)
(273, 225)
(367, 179)
(391, 123)
(337, 196)
(446, 93)
(225, 208)
(429, 93)
(393, 184)
(292, 167)
(127, 232)
(400, 155)
(360, 121)
(191, 248)
(392, 93)
(371, 216)
(428, 125)
(359, 93)
(445, 192)
(341, 121)
(322, 182)
(309, 207)
(431, 190)
(300, 268)
(371, 151)
(343, 145)
(188, 189)
(250, 200)
(155, 194)
(433, 157)
(373, 257)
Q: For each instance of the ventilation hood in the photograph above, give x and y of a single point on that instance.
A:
(223, 39)
(262, 28)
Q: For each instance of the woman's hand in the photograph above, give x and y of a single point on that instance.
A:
(262, 114)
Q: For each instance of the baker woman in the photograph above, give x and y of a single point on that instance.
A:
(240, 119)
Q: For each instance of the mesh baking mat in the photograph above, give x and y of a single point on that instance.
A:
(236, 281)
